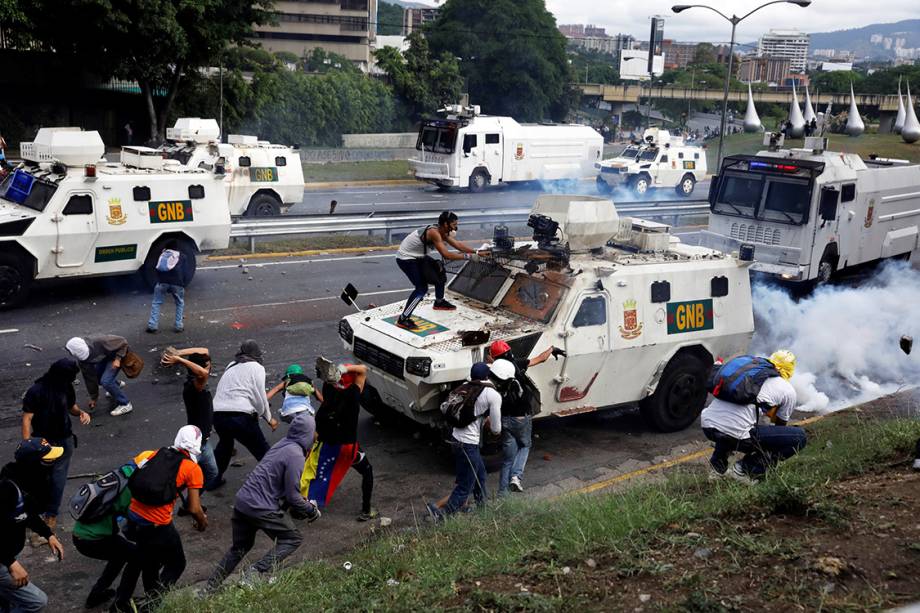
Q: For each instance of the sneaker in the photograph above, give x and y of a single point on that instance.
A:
(916, 465)
(515, 485)
(122, 409)
(151, 330)
(443, 305)
(372, 514)
(405, 322)
(98, 598)
(178, 330)
(737, 473)
(436, 514)
(714, 474)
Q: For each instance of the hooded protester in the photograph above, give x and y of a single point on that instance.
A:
(23, 487)
(734, 427)
(46, 410)
(100, 359)
(159, 480)
(239, 402)
(272, 487)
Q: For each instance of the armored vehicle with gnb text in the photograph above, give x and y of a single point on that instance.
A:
(67, 212)
(640, 315)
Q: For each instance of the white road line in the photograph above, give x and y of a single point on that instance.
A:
(9, 331)
(391, 203)
(252, 264)
(299, 301)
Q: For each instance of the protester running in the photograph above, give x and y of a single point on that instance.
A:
(100, 358)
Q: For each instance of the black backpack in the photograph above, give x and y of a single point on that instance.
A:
(739, 380)
(459, 407)
(94, 501)
(154, 481)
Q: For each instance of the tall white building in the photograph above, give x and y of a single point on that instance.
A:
(787, 44)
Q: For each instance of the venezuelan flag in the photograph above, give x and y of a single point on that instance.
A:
(324, 470)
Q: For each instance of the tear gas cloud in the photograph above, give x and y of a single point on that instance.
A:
(846, 339)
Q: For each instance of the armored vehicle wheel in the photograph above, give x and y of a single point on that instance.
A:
(373, 404)
(641, 184)
(679, 397)
(263, 205)
(825, 272)
(603, 187)
(479, 180)
(686, 185)
(15, 281)
(149, 269)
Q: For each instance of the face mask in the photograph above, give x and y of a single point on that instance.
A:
(452, 233)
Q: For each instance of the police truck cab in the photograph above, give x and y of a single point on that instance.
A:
(67, 212)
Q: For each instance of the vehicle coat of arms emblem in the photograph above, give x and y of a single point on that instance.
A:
(631, 327)
(116, 216)
(519, 151)
(870, 212)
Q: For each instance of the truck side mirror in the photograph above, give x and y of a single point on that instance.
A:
(827, 209)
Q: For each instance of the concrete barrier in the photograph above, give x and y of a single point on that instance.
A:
(321, 156)
(396, 140)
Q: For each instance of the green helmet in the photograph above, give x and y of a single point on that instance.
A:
(293, 369)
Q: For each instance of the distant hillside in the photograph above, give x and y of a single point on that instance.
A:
(859, 40)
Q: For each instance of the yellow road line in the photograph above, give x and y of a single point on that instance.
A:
(689, 457)
(305, 252)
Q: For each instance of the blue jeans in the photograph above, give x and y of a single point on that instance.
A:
(160, 291)
(412, 270)
(25, 599)
(59, 475)
(208, 464)
(516, 442)
(108, 379)
(767, 446)
(471, 477)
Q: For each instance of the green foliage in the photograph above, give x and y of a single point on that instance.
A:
(512, 56)
(597, 67)
(705, 54)
(322, 61)
(389, 19)
(422, 84)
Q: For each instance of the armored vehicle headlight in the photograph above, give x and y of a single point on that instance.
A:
(420, 367)
(345, 331)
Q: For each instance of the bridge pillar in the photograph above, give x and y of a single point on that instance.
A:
(886, 121)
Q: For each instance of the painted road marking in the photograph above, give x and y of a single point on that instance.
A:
(368, 191)
(390, 203)
(300, 301)
(287, 262)
(9, 331)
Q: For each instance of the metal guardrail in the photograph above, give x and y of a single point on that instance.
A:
(390, 221)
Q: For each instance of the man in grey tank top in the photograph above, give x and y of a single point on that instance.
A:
(430, 241)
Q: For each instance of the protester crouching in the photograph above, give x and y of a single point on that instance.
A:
(100, 357)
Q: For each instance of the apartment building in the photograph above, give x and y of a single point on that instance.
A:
(346, 27)
(788, 44)
(764, 69)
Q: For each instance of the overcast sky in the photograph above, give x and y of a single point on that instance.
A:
(632, 17)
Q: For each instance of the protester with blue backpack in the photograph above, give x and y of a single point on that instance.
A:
(743, 388)
(171, 280)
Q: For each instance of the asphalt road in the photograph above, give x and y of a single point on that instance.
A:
(427, 197)
(291, 307)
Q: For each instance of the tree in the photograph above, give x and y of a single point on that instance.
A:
(422, 84)
(389, 19)
(155, 42)
(705, 53)
(511, 54)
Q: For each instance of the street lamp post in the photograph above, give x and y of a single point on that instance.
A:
(734, 20)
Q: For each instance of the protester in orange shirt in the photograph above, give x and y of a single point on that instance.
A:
(156, 484)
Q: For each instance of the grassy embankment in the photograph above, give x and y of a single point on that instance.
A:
(681, 543)
(356, 171)
(884, 145)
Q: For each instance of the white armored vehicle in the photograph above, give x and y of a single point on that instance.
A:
(467, 149)
(661, 160)
(261, 178)
(806, 214)
(66, 212)
(641, 317)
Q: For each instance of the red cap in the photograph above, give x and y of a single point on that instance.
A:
(499, 348)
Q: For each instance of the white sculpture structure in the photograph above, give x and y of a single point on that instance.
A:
(797, 129)
(809, 111)
(751, 119)
(902, 115)
(910, 133)
(855, 125)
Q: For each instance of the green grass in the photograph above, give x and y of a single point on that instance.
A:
(356, 171)
(885, 145)
(514, 538)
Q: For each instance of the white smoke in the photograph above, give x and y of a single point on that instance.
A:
(846, 339)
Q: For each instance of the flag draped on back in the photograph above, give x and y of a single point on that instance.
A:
(324, 470)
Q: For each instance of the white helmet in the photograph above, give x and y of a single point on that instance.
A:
(502, 370)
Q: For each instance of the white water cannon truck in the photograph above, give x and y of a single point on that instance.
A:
(466, 149)
(261, 178)
(67, 212)
(804, 215)
(640, 316)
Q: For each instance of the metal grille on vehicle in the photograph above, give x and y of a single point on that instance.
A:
(756, 234)
(382, 359)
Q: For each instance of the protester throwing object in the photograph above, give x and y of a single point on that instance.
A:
(100, 357)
